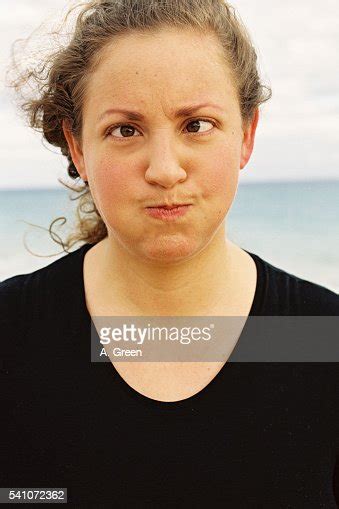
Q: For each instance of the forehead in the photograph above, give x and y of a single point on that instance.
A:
(169, 65)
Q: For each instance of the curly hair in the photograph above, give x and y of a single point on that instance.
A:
(59, 81)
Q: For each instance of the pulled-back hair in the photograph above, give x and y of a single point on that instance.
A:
(60, 81)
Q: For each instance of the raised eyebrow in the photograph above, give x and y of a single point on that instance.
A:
(136, 116)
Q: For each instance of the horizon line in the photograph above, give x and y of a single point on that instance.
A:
(243, 183)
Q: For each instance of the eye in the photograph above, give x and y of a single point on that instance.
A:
(124, 129)
(199, 121)
(127, 130)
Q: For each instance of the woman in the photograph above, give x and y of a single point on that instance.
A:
(156, 106)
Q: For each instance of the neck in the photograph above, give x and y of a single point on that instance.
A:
(188, 286)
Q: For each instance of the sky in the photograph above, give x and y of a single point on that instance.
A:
(298, 132)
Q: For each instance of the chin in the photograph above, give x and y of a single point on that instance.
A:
(170, 250)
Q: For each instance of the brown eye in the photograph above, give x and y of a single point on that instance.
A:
(128, 130)
(197, 124)
(125, 129)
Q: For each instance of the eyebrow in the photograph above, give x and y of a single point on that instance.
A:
(182, 112)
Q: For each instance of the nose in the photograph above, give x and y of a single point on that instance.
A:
(164, 168)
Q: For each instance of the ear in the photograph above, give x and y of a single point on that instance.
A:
(74, 149)
(248, 140)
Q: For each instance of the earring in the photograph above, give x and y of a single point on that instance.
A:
(72, 171)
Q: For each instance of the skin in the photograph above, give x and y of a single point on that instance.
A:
(187, 267)
(163, 159)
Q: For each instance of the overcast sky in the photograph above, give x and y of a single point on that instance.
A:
(298, 134)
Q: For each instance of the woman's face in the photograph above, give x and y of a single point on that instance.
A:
(161, 157)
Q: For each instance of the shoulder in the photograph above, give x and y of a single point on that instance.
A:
(11, 291)
(34, 293)
(284, 293)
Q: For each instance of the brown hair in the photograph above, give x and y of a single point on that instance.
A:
(60, 81)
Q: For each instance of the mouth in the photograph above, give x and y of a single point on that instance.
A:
(169, 207)
(168, 212)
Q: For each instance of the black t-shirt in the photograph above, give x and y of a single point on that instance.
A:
(259, 435)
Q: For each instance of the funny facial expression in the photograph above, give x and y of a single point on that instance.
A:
(161, 154)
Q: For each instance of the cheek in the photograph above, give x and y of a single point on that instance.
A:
(112, 184)
(220, 177)
(116, 185)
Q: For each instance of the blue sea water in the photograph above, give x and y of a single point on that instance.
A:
(292, 225)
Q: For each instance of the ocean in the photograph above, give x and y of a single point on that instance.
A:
(292, 225)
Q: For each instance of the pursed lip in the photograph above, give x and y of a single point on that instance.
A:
(168, 207)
